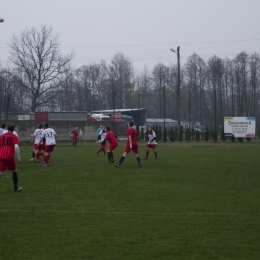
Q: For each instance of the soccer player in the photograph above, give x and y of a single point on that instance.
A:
(151, 143)
(9, 144)
(2, 129)
(99, 131)
(50, 140)
(6, 131)
(33, 154)
(113, 143)
(37, 148)
(74, 134)
(102, 143)
(131, 144)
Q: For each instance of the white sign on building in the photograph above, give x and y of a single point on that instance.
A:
(239, 126)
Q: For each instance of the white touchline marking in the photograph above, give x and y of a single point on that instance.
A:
(128, 213)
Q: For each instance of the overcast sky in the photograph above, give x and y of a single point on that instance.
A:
(144, 30)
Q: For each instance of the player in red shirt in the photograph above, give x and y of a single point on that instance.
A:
(9, 144)
(74, 134)
(113, 143)
(131, 144)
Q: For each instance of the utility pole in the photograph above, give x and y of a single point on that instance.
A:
(178, 89)
(189, 115)
(178, 92)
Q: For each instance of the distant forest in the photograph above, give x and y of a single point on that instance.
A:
(40, 78)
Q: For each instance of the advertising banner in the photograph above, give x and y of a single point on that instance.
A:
(239, 126)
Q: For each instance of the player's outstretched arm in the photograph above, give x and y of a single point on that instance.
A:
(17, 151)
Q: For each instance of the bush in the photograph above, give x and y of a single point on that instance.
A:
(248, 139)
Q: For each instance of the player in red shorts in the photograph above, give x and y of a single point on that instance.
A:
(50, 136)
(9, 144)
(37, 148)
(151, 143)
(131, 144)
(113, 143)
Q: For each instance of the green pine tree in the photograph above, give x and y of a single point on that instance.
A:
(142, 134)
(197, 137)
(223, 137)
(165, 134)
(206, 137)
(192, 134)
(215, 136)
(188, 134)
(181, 134)
(160, 132)
(176, 133)
(138, 131)
(171, 135)
(146, 134)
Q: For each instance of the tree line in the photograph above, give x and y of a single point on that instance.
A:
(40, 78)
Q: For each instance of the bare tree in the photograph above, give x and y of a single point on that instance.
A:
(122, 74)
(36, 55)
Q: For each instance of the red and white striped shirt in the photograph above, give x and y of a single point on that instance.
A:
(7, 144)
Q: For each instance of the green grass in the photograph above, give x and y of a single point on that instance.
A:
(197, 201)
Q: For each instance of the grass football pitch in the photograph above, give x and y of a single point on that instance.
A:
(197, 201)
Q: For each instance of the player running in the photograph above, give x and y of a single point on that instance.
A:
(36, 147)
(151, 142)
(50, 136)
(131, 144)
(102, 143)
(9, 144)
(113, 143)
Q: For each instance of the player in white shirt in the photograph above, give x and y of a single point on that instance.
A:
(103, 144)
(151, 142)
(6, 131)
(2, 129)
(36, 147)
(50, 136)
